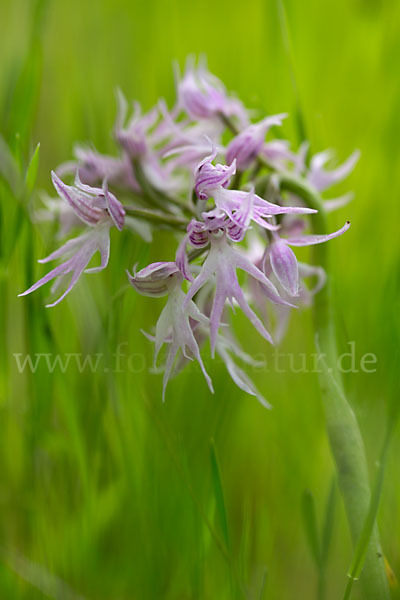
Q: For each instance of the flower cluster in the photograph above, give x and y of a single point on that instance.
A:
(204, 170)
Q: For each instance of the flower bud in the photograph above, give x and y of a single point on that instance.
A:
(201, 94)
(133, 136)
(285, 267)
(248, 144)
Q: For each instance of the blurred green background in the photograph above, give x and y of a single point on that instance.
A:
(106, 493)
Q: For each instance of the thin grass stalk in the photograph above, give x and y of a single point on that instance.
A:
(342, 428)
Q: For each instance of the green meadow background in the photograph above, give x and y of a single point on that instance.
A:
(105, 492)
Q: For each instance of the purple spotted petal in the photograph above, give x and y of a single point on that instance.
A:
(198, 234)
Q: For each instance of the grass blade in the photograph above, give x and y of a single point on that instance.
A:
(219, 493)
(299, 114)
(310, 525)
(362, 544)
(326, 537)
(31, 172)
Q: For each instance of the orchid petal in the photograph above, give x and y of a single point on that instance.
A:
(335, 203)
(174, 318)
(81, 203)
(322, 179)
(66, 248)
(86, 188)
(115, 208)
(239, 377)
(181, 259)
(88, 244)
(210, 177)
(250, 314)
(246, 265)
(198, 234)
(240, 219)
(168, 366)
(313, 271)
(103, 246)
(282, 322)
(310, 240)
(221, 294)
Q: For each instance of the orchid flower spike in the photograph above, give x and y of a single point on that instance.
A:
(227, 207)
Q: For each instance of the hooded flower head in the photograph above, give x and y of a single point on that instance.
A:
(154, 279)
(209, 177)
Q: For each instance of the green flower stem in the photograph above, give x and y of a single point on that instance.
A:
(155, 196)
(156, 217)
(342, 427)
